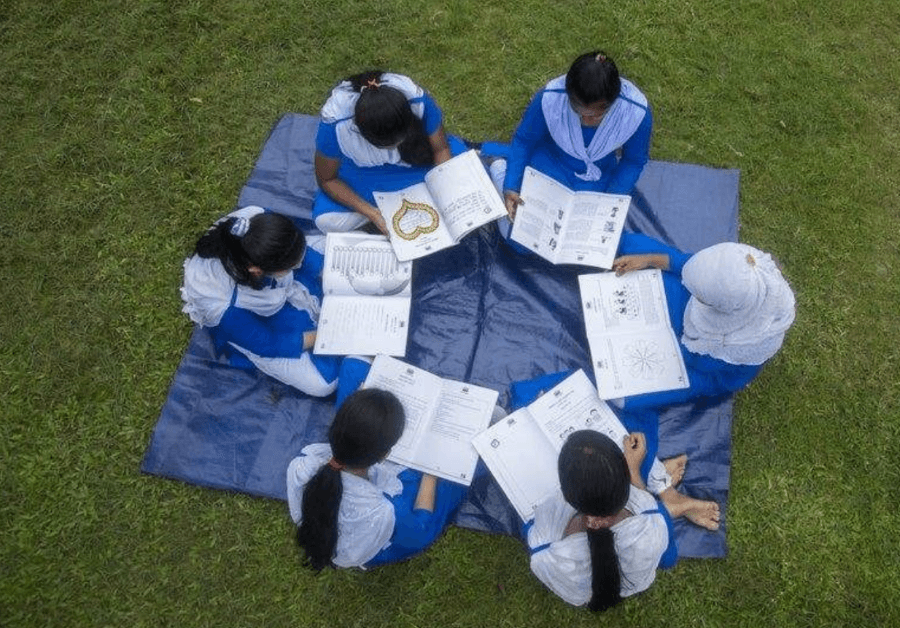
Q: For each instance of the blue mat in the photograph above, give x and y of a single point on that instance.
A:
(481, 313)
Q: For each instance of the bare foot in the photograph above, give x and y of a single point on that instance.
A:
(699, 512)
(675, 468)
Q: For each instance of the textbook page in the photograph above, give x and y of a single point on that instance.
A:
(414, 222)
(521, 459)
(465, 194)
(633, 347)
(441, 417)
(521, 450)
(367, 297)
(567, 227)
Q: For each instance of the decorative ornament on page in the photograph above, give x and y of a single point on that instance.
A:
(415, 219)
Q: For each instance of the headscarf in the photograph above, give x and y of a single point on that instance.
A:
(618, 124)
(740, 305)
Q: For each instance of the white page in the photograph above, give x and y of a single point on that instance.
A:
(541, 219)
(465, 194)
(414, 223)
(521, 459)
(445, 449)
(418, 392)
(633, 347)
(573, 405)
(367, 299)
(593, 229)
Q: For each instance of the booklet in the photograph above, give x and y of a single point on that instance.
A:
(633, 347)
(456, 198)
(521, 450)
(442, 416)
(566, 227)
(367, 297)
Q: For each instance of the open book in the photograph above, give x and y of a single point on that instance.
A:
(567, 227)
(442, 416)
(521, 450)
(456, 198)
(365, 309)
(633, 347)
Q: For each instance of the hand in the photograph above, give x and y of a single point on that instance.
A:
(627, 263)
(635, 445)
(378, 221)
(512, 200)
(309, 339)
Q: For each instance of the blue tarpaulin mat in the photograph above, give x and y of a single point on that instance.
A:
(481, 312)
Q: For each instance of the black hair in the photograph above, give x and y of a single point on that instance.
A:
(272, 242)
(385, 118)
(593, 77)
(366, 426)
(595, 480)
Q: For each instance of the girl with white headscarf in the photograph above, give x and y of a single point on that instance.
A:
(589, 129)
(379, 131)
(254, 284)
(730, 306)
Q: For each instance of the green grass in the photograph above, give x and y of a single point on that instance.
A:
(127, 127)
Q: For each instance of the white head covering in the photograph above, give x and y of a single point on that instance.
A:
(339, 110)
(618, 124)
(365, 517)
(740, 305)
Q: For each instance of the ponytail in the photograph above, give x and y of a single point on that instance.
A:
(317, 533)
(606, 578)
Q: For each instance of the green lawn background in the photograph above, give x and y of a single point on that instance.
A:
(129, 126)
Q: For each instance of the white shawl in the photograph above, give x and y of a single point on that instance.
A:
(365, 517)
(740, 305)
(618, 124)
(339, 109)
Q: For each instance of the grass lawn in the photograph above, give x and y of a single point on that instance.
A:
(129, 126)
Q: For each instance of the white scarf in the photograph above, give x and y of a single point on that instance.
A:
(618, 124)
(339, 109)
(740, 305)
(208, 288)
(365, 517)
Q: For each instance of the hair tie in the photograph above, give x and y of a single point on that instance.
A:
(372, 82)
(751, 260)
(600, 58)
(334, 464)
(240, 227)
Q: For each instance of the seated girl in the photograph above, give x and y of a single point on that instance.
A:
(602, 537)
(588, 129)
(351, 507)
(730, 306)
(379, 132)
(254, 284)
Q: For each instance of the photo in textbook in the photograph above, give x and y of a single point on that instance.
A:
(367, 297)
(521, 450)
(566, 227)
(456, 198)
(442, 416)
(633, 346)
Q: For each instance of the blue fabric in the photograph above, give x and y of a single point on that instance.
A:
(480, 313)
(533, 146)
(415, 530)
(387, 178)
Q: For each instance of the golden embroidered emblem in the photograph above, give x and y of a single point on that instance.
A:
(415, 219)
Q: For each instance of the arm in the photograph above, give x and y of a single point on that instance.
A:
(635, 447)
(425, 496)
(635, 154)
(439, 146)
(531, 130)
(337, 190)
(638, 251)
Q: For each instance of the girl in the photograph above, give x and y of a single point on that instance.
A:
(602, 538)
(351, 508)
(254, 285)
(379, 132)
(730, 306)
(573, 129)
